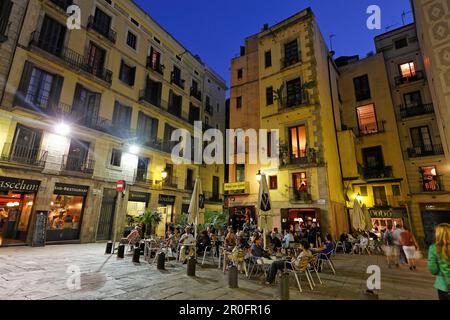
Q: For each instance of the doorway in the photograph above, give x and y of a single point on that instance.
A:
(15, 214)
(106, 221)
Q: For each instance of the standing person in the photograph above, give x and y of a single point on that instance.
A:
(409, 245)
(439, 261)
(389, 245)
(398, 253)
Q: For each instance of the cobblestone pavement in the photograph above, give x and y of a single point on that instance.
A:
(42, 273)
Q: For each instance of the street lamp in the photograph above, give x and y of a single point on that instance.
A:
(62, 129)
(358, 197)
(133, 149)
(164, 174)
(258, 176)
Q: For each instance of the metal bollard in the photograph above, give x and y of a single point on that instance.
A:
(191, 267)
(109, 247)
(136, 254)
(161, 261)
(121, 251)
(233, 277)
(284, 286)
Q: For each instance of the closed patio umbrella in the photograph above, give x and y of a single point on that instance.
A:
(264, 204)
(197, 206)
(358, 220)
(367, 218)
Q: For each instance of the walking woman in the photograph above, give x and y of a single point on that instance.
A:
(439, 260)
(410, 246)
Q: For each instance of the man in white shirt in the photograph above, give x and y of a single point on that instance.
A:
(187, 242)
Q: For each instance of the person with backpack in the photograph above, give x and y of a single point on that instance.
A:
(389, 245)
(439, 261)
(410, 246)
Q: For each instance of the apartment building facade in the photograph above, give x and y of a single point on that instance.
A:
(374, 172)
(432, 27)
(288, 82)
(122, 85)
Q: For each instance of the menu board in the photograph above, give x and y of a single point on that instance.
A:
(40, 229)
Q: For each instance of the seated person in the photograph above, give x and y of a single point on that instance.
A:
(276, 242)
(242, 241)
(203, 241)
(362, 244)
(133, 238)
(328, 247)
(298, 262)
(187, 242)
(288, 239)
(230, 240)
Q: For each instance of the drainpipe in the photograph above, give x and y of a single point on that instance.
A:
(330, 61)
(14, 52)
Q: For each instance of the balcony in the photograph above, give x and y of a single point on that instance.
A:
(299, 100)
(213, 197)
(298, 196)
(377, 173)
(71, 58)
(209, 109)
(146, 96)
(432, 186)
(141, 178)
(197, 94)
(308, 159)
(401, 80)
(407, 112)
(369, 129)
(77, 165)
(178, 112)
(387, 202)
(23, 155)
(425, 151)
(170, 182)
(177, 80)
(102, 29)
(287, 62)
(157, 67)
(62, 4)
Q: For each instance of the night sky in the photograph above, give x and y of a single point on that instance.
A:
(216, 29)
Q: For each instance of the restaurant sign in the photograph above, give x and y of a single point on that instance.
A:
(9, 184)
(71, 189)
(386, 213)
(139, 197)
(235, 186)
(167, 200)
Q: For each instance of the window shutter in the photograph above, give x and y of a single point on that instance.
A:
(76, 106)
(19, 99)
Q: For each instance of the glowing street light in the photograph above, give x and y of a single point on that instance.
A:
(134, 149)
(258, 176)
(62, 129)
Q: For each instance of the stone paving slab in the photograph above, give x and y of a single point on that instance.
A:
(42, 273)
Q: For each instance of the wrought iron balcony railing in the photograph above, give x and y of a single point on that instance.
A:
(157, 67)
(196, 93)
(294, 101)
(369, 129)
(70, 57)
(378, 173)
(418, 110)
(425, 151)
(79, 165)
(25, 155)
(418, 75)
(289, 61)
(177, 80)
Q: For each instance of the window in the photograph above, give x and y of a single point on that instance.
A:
(291, 54)
(132, 40)
(407, 70)
(273, 182)
(154, 61)
(39, 88)
(121, 119)
(240, 173)
(86, 107)
(194, 113)
(175, 104)
(379, 195)
(294, 93)
(240, 73)
(142, 169)
(401, 43)
(116, 157)
(127, 74)
(269, 144)
(77, 156)
(190, 179)
(268, 59)
(396, 190)
(430, 179)
(373, 158)
(5, 11)
(102, 22)
(363, 191)
(367, 120)
(176, 77)
(96, 59)
(297, 138)
(51, 36)
(413, 99)
(25, 148)
(362, 88)
(215, 187)
(269, 96)
(300, 186)
(147, 129)
(421, 139)
(153, 92)
(239, 102)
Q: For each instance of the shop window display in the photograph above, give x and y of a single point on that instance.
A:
(64, 220)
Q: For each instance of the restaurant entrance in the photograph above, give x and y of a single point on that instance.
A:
(17, 198)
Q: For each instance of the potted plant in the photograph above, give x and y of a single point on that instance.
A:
(151, 218)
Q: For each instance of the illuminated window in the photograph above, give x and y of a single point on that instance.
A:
(297, 137)
(367, 119)
(408, 70)
(430, 179)
(273, 182)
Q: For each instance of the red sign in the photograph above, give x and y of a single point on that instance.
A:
(120, 186)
